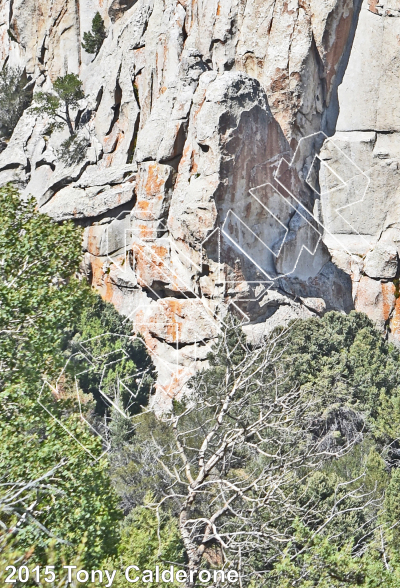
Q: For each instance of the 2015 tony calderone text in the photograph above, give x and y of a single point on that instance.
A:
(132, 574)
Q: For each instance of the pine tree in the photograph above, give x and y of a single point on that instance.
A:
(93, 40)
(57, 105)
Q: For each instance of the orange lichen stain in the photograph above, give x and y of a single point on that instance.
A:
(178, 379)
(186, 151)
(219, 9)
(110, 142)
(157, 252)
(150, 264)
(93, 242)
(142, 205)
(395, 322)
(149, 209)
(101, 281)
(388, 297)
(97, 271)
(138, 53)
(160, 251)
(193, 164)
(280, 81)
(138, 320)
(107, 160)
(335, 52)
(108, 293)
(141, 325)
(151, 343)
(186, 157)
(173, 309)
(154, 183)
(372, 6)
(144, 232)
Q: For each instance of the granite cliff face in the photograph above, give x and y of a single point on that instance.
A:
(243, 156)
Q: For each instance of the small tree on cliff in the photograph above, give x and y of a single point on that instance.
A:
(57, 105)
(93, 40)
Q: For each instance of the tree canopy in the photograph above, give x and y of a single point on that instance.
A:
(39, 295)
(282, 461)
(55, 484)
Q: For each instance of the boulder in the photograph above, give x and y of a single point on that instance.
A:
(382, 262)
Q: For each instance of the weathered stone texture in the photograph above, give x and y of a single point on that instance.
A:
(190, 107)
(359, 175)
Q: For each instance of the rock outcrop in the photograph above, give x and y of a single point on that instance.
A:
(210, 183)
(362, 213)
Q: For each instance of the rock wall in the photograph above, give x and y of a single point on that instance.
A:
(362, 213)
(210, 183)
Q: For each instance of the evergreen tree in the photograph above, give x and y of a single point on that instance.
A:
(324, 388)
(147, 541)
(39, 297)
(93, 40)
(51, 490)
(117, 357)
(344, 363)
(57, 105)
(55, 488)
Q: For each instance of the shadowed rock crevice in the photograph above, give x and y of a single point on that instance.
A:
(332, 112)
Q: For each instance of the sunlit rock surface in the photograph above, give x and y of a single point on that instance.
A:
(242, 156)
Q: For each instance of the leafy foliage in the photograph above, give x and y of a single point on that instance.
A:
(354, 376)
(148, 542)
(134, 471)
(15, 97)
(54, 555)
(38, 295)
(77, 500)
(325, 565)
(107, 339)
(344, 359)
(53, 493)
(93, 40)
